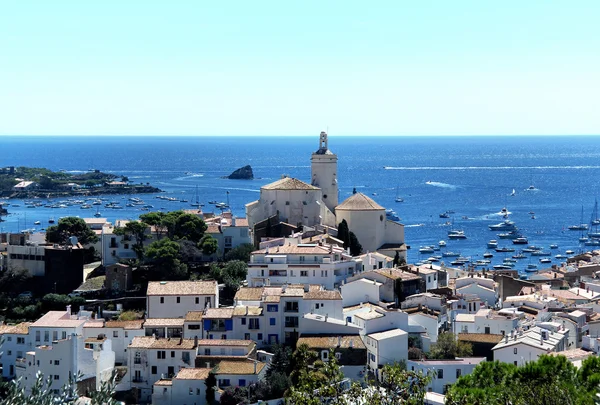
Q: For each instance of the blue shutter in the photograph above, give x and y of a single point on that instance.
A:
(228, 324)
(207, 324)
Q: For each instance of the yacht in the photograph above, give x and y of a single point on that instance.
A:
(531, 188)
(514, 234)
(546, 260)
(505, 250)
(37, 223)
(457, 235)
(559, 256)
(492, 244)
(487, 255)
(553, 246)
(540, 253)
(450, 254)
(442, 243)
(502, 267)
(592, 242)
(444, 215)
(426, 249)
(519, 256)
(580, 227)
(506, 225)
(520, 241)
(569, 252)
(531, 267)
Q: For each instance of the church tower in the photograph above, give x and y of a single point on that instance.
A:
(324, 172)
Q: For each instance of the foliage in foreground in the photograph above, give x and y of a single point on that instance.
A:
(549, 380)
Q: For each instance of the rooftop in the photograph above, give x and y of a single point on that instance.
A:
(458, 360)
(149, 342)
(238, 367)
(359, 202)
(57, 319)
(331, 341)
(154, 322)
(193, 374)
(247, 311)
(225, 342)
(387, 334)
(480, 337)
(194, 316)
(182, 288)
(289, 183)
(218, 313)
(19, 329)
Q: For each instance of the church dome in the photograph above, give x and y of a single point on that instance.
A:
(359, 202)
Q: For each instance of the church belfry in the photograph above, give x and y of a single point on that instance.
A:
(324, 172)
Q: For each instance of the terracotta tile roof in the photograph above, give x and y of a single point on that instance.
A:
(164, 383)
(359, 202)
(192, 316)
(331, 342)
(213, 228)
(249, 294)
(19, 329)
(289, 183)
(247, 311)
(290, 291)
(95, 339)
(241, 222)
(153, 322)
(323, 295)
(182, 288)
(480, 337)
(57, 319)
(193, 374)
(148, 342)
(225, 342)
(218, 313)
(308, 249)
(238, 367)
(95, 323)
(397, 274)
(128, 325)
(272, 298)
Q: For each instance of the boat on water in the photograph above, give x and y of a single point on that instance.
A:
(389, 214)
(520, 241)
(519, 256)
(37, 223)
(531, 267)
(505, 225)
(444, 215)
(546, 260)
(581, 226)
(531, 188)
(540, 253)
(51, 220)
(480, 263)
(502, 267)
(442, 243)
(583, 239)
(554, 246)
(513, 193)
(559, 256)
(398, 198)
(592, 242)
(488, 255)
(570, 252)
(510, 235)
(457, 235)
(450, 254)
(426, 249)
(505, 249)
(492, 244)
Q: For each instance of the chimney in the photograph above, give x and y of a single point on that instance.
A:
(255, 367)
(506, 339)
(351, 343)
(195, 341)
(68, 310)
(207, 364)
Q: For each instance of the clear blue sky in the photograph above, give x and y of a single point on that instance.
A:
(295, 68)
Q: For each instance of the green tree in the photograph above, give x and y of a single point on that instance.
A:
(211, 384)
(344, 233)
(301, 358)
(448, 347)
(241, 252)
(235, 396)
(163, 257)
(281, 361)
(155, 219)
(355, 246)
(319, 384)
(208, 245)
(234, 273)
(181, 225)
(137, 230)
(70, 226)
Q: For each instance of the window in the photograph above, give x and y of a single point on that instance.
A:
(172, 353)
(46, 336)
(115, 333)
(57, 362)
(162, 300)
(515, 350)
(259, 336)
(154, 370)
(161, 354)
(179, 300)
(291, 306)
(254, 323)
(206, 302)
(223, 337)
(10, 354)
(126, 334)
(197, 391)
(137, 358)
(301, 259)
(291, 321)
(242, 382)
(458, 372)
(64, 335)
(272, 321)
(487, 330)
(197, 300)
(9, 338)
(515, 362)
(37, 335)
(224, 382)
(54, 335)
(20, 341)
(127, 246)
(272, 308)
(440, 373)
(243, 321)
(247, 336)
(193, 327)
(317, 306)
(56, 376)
(191, 392)
(303, 273)
(429, 279)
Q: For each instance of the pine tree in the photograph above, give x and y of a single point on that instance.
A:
(355, 246)
(344, 233)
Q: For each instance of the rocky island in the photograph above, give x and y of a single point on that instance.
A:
(243, 173)
(30, 182)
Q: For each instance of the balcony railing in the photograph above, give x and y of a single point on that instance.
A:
(291, 324)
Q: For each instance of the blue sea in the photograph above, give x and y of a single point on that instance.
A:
(472, 176)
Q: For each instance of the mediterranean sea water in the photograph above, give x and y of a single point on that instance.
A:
(472, 176)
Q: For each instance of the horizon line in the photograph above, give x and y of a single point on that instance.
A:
(297, 136)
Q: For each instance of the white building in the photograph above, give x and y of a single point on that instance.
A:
(14, 343)
(386, 347)
(86, 359)
(527, 346)
(54, 326)
(188, 387)
(239, 373)
(229, 231)
(117, 247)
(368, 221)
(487, 321)
(484, 288)
(305, 264)
(121, 334)
(445, 372)
(324, 172)
(151, 359)
(174, 299)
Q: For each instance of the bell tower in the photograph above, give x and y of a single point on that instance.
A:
(324, 172)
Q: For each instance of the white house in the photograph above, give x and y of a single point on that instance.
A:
(239, 373)
(526, 346)
(484, 288)
(229, 231)
(188, 387)
(121, 334)
(488, 321)
(174, 299)
(14, 343)
(54, 326)
(386, 347)
(316, 263)
(151, 359)
(445, 372)
(359, 291)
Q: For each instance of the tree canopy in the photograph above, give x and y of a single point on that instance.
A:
(549, 380)
(349, 238)
(163, 255)
(70, 226)
(448, 347)
(137, 229)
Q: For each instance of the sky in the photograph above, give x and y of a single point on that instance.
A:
(127, 67)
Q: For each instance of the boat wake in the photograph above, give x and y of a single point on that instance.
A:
(442, 185)
(189, 176)
(413, 225)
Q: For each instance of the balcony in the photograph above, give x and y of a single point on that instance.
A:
(137, 380)
(291, 324)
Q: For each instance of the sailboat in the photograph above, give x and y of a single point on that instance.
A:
(514, 193)
(398, 198)
(98, 214)
(594, 222)
(581, 226)
(197, 200)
